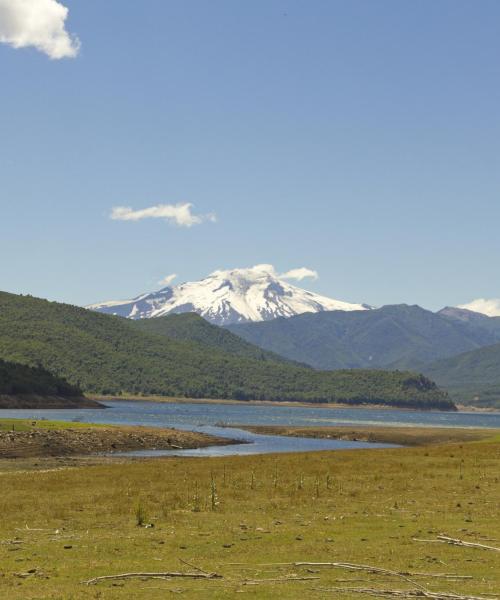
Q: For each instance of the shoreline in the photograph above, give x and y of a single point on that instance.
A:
(24, 438)
(402, 436)
(289, 404)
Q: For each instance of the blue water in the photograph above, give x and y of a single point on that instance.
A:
(207, 418)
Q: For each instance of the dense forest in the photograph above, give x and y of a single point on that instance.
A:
(17, 379)
(110, 355)
(192, 327)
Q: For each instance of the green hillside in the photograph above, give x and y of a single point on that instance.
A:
(109, 355)
(391, 337)
(192, 327)
(17, 379)
(471, 377)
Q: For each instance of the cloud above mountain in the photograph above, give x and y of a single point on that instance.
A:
(178, 214)
(490, 307)
(40, 24)
(300, 274)
(167, 280)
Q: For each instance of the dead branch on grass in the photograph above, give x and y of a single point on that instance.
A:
(161, 575)
(193, 566)
(277, 580)
(379, 570)
(406, 594)
(444, 539)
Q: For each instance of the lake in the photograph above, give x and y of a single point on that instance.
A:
(207, 418)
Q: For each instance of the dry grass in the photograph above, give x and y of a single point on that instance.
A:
(235, 515)
(403, 436)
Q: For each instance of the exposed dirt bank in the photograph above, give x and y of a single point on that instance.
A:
(404, 436)
(40, 442)
(37, 402)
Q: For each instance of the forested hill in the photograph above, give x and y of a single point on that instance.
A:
(26, 387)
(17, 379)
(192, 327)
(108, 355)
(473, 377)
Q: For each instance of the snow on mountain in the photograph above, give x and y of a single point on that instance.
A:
(226, 297)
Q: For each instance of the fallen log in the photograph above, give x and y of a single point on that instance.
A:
(161, 575)
(406, 594)
(277, 580)
(378, 570)
(444, 539)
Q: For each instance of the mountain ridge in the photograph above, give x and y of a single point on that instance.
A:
(393, 336)
(105, 354)
(229, 296)
(472, 377)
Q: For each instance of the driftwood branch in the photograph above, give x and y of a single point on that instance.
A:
(277, 580)
(161, 575)
(379, 570)
(444, 539)
(406, 594)
(194, 566)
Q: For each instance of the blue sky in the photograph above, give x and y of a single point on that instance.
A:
(360, 139)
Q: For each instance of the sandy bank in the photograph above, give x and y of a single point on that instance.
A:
(44, 442)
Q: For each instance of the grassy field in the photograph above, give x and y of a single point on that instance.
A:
(31, 424)
(249, 519)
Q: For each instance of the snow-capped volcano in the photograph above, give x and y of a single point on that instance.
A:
(226, 297)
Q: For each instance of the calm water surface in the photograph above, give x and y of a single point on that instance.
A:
(207, 418)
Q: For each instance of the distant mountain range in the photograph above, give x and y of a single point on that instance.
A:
(111, 355)
(399, 336)
(457, 348)
(227, 297)
(280, 321)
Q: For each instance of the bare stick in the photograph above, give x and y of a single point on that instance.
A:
(193, 566)
(164, 575)
(444, 539)
(457, 542)
(369, 569)
(406, 594)
(277, 580)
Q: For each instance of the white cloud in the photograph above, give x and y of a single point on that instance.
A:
(168, 279)
(180, 214)
(300, 274)
(267, 269)
(37, 23)
(491, 307)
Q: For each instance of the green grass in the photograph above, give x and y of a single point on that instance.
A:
(29, 424)
(361, 506)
